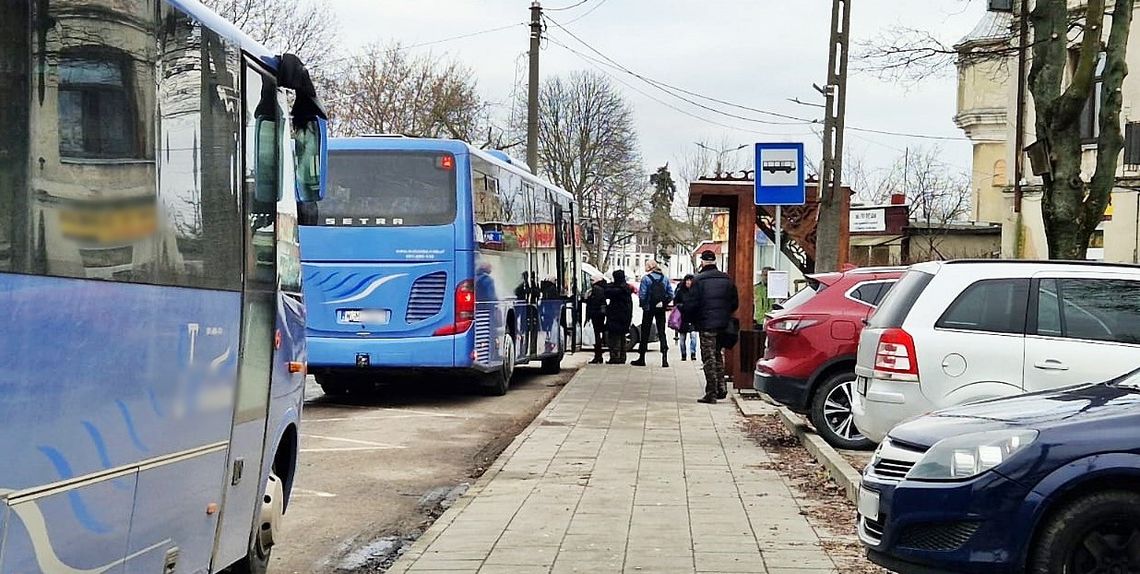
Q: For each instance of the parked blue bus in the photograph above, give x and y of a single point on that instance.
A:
(151, 322)
(432, 255)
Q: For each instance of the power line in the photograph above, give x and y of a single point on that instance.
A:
(666, 87)
(612, 64)
(469, 35)
(593, 62)
(570, 7)
(588, 12)
(402, 48)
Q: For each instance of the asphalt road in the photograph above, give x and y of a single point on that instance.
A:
(377, 468)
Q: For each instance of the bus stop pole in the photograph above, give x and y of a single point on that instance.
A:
(776, 250)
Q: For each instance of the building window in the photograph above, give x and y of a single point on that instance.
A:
(999, 173)
(1090, 124)
(96, 104)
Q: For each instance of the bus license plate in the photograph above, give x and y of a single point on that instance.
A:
(869, 504)
(366, 316)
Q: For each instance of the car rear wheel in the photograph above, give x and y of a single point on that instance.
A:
(1097, 533)
(832, 415)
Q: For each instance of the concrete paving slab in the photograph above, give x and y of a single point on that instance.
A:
(625, 472)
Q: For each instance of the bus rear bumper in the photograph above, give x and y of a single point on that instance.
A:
(406, 353)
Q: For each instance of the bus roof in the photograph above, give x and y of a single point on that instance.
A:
(399, 143)
(226, 29)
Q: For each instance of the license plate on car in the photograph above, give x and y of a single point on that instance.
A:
(365, 316)
(869, 504)
(861, 385)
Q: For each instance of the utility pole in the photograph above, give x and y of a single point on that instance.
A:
(831, 231)
(532, 94)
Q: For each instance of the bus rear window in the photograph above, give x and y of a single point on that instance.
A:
(389, 188)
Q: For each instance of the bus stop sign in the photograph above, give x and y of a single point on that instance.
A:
(780, 174)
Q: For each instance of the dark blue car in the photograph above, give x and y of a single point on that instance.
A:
(1041, 483)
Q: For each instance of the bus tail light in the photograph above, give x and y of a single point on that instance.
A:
(464, 310)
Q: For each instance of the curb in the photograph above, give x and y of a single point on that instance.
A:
(416, 550)
(841, 471)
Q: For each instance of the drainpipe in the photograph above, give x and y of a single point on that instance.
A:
(1019, 137)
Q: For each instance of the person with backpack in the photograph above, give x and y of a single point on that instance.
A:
(596, 314)
(686, 333)
(619, 315)
(710, 305)
(655, 294)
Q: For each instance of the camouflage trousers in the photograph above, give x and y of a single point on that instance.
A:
(713, 357)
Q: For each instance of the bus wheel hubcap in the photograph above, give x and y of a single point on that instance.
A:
(272, 508)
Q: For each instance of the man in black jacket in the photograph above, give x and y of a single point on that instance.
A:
(710, 305)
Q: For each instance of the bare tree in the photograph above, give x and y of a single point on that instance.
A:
(693, 164)
(1067, 46)
(384, 89)
(937, 195)
(307, 28)
(588, 146)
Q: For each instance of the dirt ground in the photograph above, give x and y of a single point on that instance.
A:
(378, 467)
(821, 500)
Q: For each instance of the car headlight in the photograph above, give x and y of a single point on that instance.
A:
(969, 455)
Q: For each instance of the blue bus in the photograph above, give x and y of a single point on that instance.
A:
(432, 255)
(151, 322)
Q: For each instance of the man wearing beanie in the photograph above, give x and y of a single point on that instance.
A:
(710, 304)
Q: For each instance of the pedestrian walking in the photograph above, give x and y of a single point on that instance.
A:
(710, 304)
(655, 294)
(619, 315)
(686, 334)
(596, 314)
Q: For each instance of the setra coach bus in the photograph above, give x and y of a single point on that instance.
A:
(151, 322)
(431, 255)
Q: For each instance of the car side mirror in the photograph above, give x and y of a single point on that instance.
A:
(311, 159)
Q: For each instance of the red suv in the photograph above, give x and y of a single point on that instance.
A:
(810, 351)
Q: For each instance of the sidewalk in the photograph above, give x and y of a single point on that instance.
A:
(625, 472)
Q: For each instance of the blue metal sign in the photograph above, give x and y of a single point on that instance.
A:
(780, 174)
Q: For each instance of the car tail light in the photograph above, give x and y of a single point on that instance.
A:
(464, 310)
(790, 324)
(895, 353)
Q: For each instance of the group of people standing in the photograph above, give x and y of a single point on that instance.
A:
(706, 303)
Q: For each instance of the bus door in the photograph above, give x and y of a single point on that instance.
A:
(261, 176)
(565, 309)
(530, 279)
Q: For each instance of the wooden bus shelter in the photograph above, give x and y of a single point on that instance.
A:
(737, 197)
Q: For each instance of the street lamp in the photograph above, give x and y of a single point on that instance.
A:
(720, 153)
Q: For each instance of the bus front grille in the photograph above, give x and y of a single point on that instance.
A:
(426, 300)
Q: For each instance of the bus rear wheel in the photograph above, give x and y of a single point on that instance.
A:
(332, 386)
(499, 381)
(265, 530)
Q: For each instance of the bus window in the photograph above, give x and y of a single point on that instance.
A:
(389, 189)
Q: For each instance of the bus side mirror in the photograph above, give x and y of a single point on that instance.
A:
(311, 157)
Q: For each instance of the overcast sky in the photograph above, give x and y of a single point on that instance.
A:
(757, 53)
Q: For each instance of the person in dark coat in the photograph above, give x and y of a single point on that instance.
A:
(710, 305)
(596, 313)
(551, 305)
(619, 316)
(687, 334)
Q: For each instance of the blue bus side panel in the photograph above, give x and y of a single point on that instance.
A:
(86, 528)
(104, 375)
(175, 505)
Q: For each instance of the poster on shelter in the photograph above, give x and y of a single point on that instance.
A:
(720, 227)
